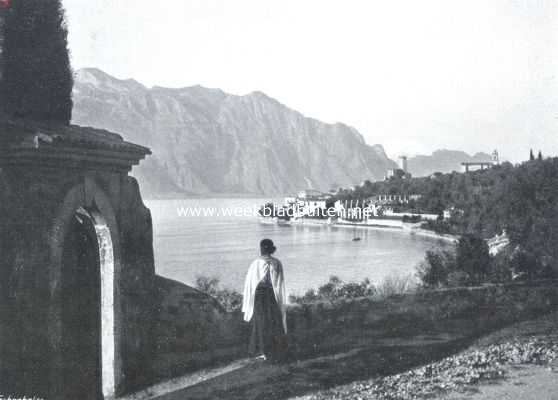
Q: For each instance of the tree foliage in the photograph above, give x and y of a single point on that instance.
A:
(472, 258)
(469, 264)
(37, 81)
(336, 290)
(229, 299)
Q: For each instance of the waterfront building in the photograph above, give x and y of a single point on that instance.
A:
(311, 193)
(394, 198)
(308, 203)
(450, 212)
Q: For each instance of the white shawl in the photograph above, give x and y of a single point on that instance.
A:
(257, 271)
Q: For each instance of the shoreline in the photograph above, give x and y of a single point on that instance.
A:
(395, 225)
(426, 233)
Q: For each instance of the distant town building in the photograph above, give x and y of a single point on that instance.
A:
(452, 211)
(393, 198)
(308, 203)
(308, 193)
(476, 165)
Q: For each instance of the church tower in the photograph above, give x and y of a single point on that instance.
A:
(495, 158)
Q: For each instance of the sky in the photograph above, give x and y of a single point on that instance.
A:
(414, 76)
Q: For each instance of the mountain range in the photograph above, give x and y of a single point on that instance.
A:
(208, 142)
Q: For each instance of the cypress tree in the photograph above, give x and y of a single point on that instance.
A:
(531, 155)
(37, 81)
(539, 157)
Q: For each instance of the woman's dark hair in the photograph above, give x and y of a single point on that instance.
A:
(267, 246)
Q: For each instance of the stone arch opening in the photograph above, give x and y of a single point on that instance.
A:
(87, 314)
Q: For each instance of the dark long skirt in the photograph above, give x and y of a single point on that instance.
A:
(266, 323)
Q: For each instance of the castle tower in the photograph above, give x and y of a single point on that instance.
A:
(403, 163)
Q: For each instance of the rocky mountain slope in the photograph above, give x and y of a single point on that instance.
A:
(442, 161)
(205, 141)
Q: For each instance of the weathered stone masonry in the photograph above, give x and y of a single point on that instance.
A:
(61, 190)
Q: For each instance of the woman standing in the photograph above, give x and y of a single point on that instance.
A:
(264, 304)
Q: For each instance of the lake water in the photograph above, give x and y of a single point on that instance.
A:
(187, 246)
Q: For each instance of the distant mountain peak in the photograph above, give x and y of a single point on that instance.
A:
(95, 76)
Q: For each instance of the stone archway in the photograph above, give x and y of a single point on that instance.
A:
(85, 314)
(87, 342)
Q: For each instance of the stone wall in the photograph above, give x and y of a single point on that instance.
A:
(193, 331)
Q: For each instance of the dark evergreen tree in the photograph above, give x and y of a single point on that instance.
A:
(539, 157)
(38, 81)
(531, 155)
(473, 258)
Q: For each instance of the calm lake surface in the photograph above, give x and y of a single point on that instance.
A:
(187, 246)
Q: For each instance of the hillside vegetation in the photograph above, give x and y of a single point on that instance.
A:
(520, 200)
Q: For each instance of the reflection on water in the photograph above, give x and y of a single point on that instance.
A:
(224, 246)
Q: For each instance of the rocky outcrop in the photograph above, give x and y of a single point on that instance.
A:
(206, 141)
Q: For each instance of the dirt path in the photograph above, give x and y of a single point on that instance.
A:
(247, 380)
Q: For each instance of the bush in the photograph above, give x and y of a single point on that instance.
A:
(394, 285)
(473, 258)
(336, 290)
(457, 279)
(436, 269)
(413, 219)
(470, 265)
(500, 268)
(207, 285)
(229, 299)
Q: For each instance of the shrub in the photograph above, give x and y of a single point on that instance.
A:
(436, 268)
(394, 285)
(231, 300)
(336, 290)
(500, 268)
(207, 285)
(413, 219)
(470, 265)
(458, 278)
